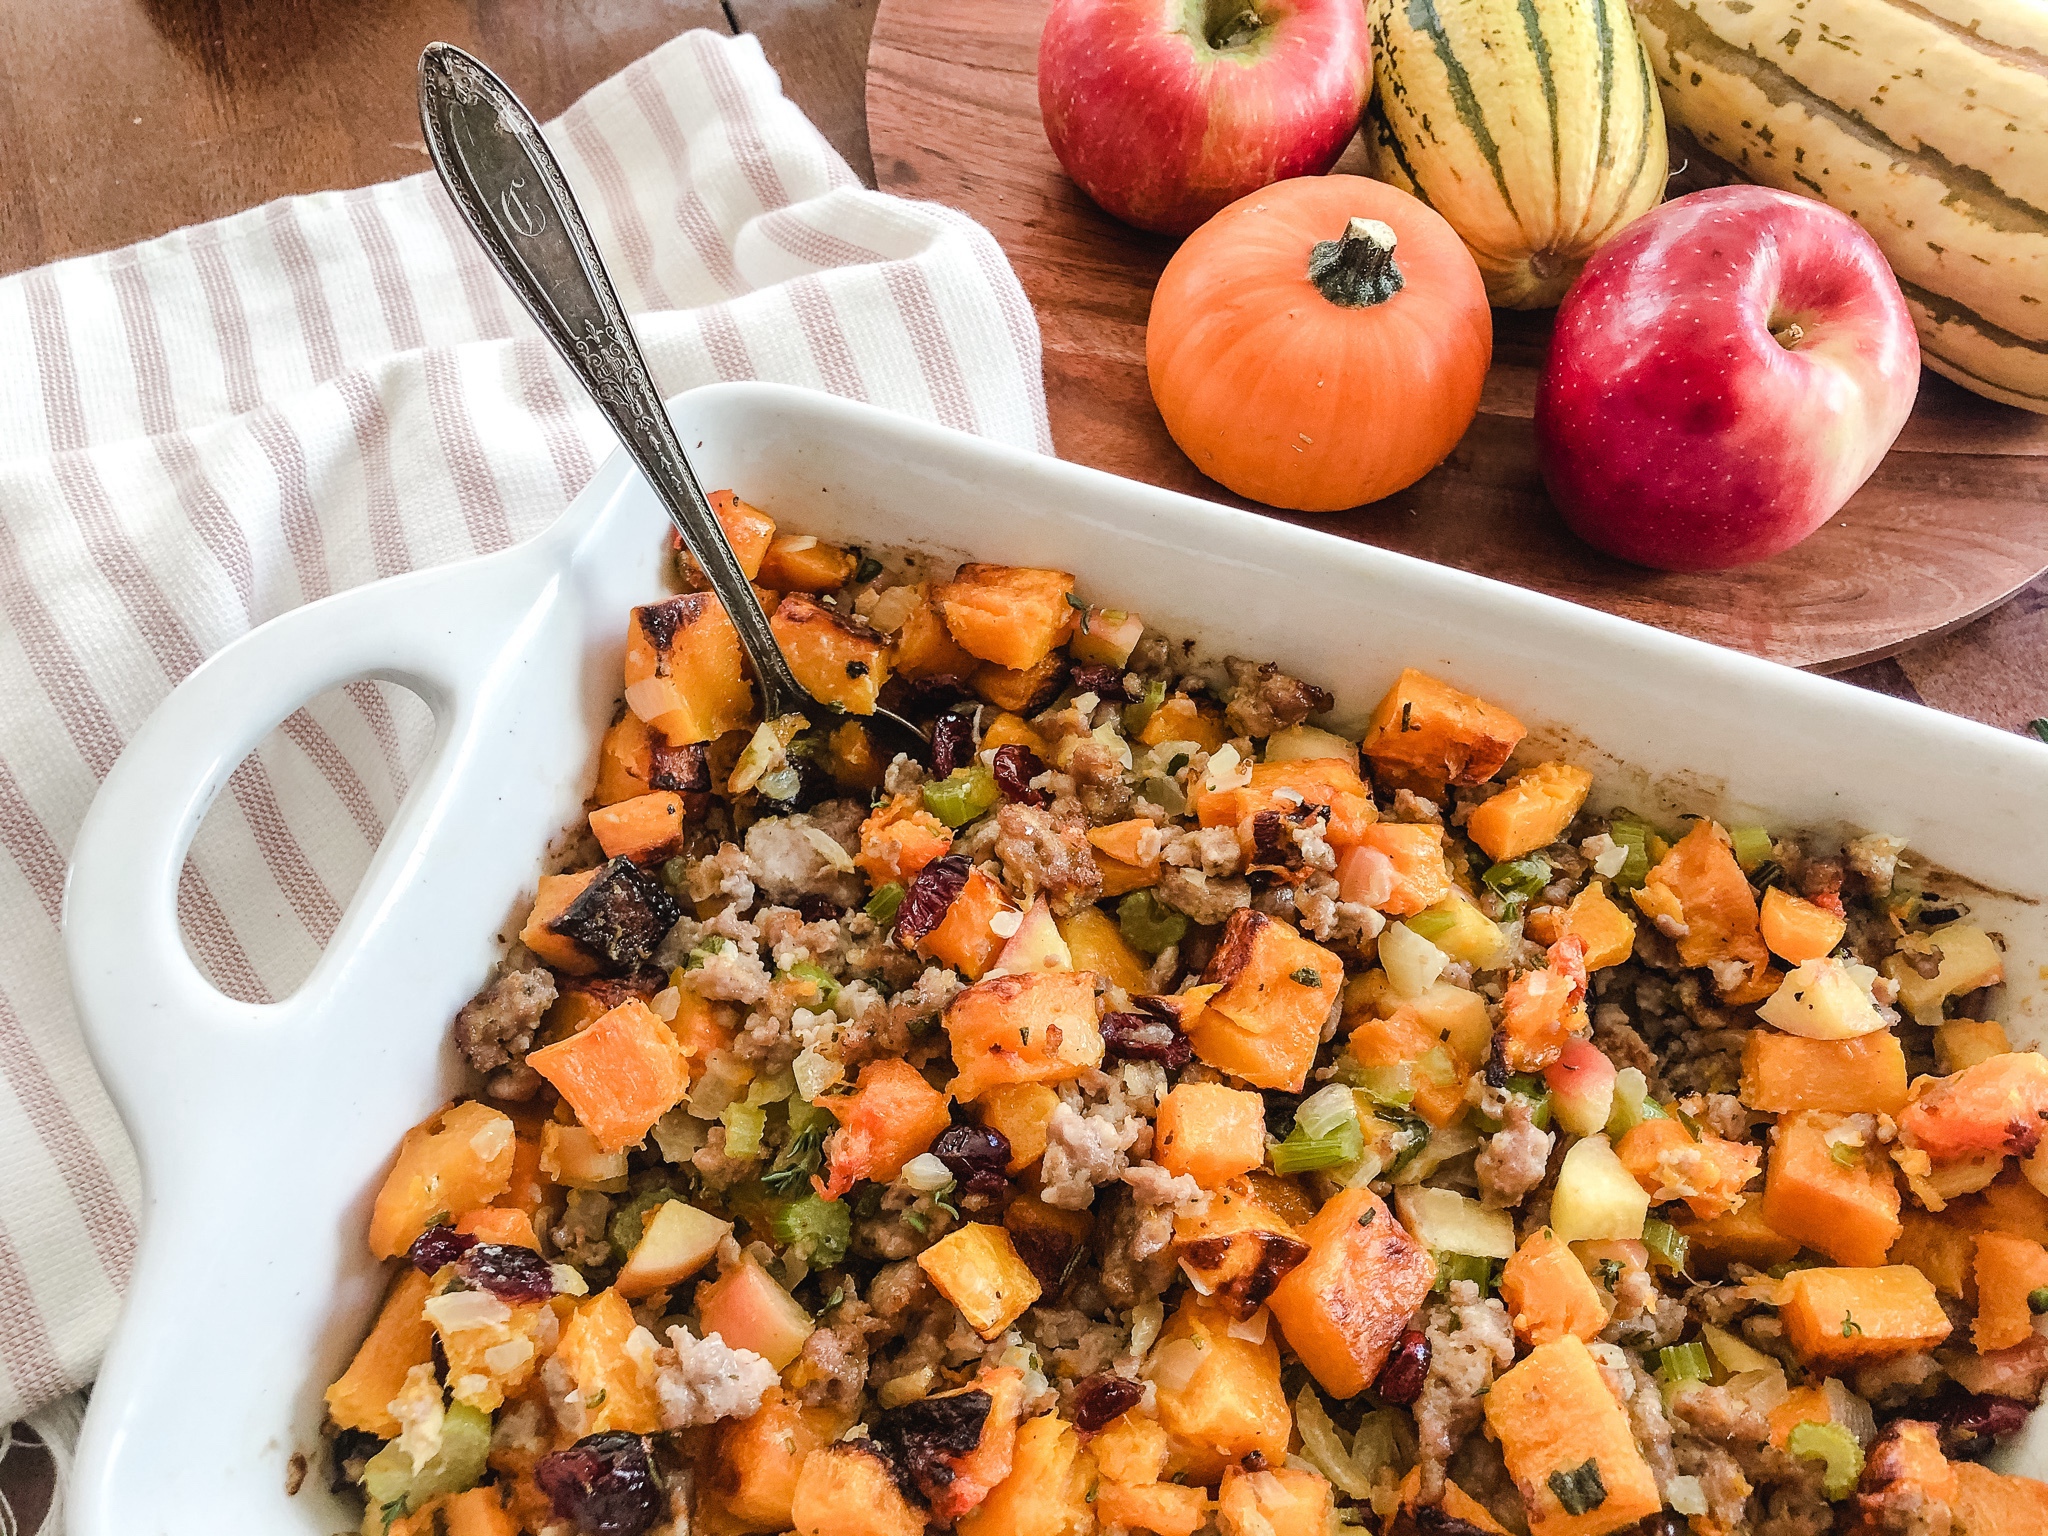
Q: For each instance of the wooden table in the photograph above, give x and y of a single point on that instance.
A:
(121, 119)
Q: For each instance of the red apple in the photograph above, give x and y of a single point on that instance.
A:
(1165, 111)
(1722, 377)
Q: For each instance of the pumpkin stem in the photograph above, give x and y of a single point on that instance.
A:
(1356, 271)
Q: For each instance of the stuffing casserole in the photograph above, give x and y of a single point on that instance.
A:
(1155, 1112)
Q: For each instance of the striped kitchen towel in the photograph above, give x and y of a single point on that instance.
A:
(203, 431)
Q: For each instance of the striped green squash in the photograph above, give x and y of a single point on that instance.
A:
(1925, 120)
(1533, 126)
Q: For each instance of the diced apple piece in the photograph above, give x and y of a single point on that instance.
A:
(1824, 1000)
(1597, 1198)
(1037, 945)
(454, 1159)
(1567, 1444)
(1343, 1307)
(676, 1240)
(1277, 988)
(977, 1268)
(1961, 1043)
(1039, 1028)
(1219, 1395)
(1532, 812)
(685, 675)
(748, 1309)
(1840, 1318)
(1430, 728)
(1444, 1221)
(1968, 960)
(1106, 637)
(1095, 943)
(1463, 932)
(1306, 743)
(1010, 615)
(1581, 1083)
(837, 658)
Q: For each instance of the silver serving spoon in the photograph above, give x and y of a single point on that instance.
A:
(514, 198)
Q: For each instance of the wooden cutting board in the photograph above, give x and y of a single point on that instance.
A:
(1954, 521)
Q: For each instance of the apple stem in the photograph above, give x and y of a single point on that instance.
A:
(1242, 26)
(1356, 271)
(1789, 335)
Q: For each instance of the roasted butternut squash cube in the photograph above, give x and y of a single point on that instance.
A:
(1331, 782)
(1998, 1107)
(635, 759)
(1456, 1503)
(1942, 1247)
(925, 648)
(477, 1512)
(837, 658)
(620, 1075)
(1797, 930)
(1279, 1501)
(1210, 1133)
(1007, 614)
(1344, 1306)
(685, 675)
(891, 1116)
(1021, 1112)
(1237, 1250)
(1989, 1503)
(456, 1158)
(1095, 943)
(853, 762)
(507, 1228)
(977, 1268)
(1735, 1237)
(643, 829)
(1542, 1010)
(1567, 1444)
(1532, 812)
(1164, 1509)
(400, 1339)
(1965, 957)
(1426, 726)
(571, 1157)
(1181, 718)
(850, 1490)
(798, 562)
(1008, 730)
(676, 1240)
(556, 894)
(1715, 903)
(1048, 1238)
(1130, 850)
(747, 529)
(1848, 1211)
(1219, 1396)
(1040, 1028)
(1438, 1066)
(1787, 1074)
(1706, 1171)
(1608, 933)
(964, 938)
(898, 839)
(752, 1474)
(1275, 990)
(2008, 1271)
(1416, 850)
(1046, 1493)
(1132, 1449)
(1548, 1293)
(616, 1392)
(749, 1309)
(1837, 1319)
(1020, 690)
(613, 920)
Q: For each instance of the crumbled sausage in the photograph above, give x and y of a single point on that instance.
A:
(1263, 699)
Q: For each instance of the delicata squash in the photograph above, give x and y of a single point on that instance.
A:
(1157, 1111)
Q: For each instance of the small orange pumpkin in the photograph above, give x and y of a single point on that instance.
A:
(1320, 343)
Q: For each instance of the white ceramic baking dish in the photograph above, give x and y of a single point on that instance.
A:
(263, 1131)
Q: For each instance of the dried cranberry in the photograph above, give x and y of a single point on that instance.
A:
(438, 1246)
(1015, 767)
(604, 1485)
(976, 1156)
(1142, 1037)
(931, 894)
(508, 1272)
(1103, 682)
(1102, 1397)
(818, 909)
(1970, 1424)
(952, 742)
(1402, 1376)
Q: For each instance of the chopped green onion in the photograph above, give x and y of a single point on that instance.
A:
(1633, 833)
(1666, 1244)
(1685, 1362)
(820, 1227)
(962, 795)
(1432, 925)
(1387, 1085)
(1148, 924)
(883, 904)
(1141, 711)
(1464, 1266)
(743, 1124)
(1580, 1489)
(1834, 1445)
(1517, 880)
(811, 971)
(1847, 1154)
(1528, 1087)
(1752, 846)
(1302, 1153)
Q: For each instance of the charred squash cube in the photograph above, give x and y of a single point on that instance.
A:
(839, 660)
(1237, 1251)
(1047, 1238)
(1021, 690)
(1343, 1306)
(1277, 988)
(619, 917)
(638, 760)
(954, 1447)
(684, 671)
(1427, 727)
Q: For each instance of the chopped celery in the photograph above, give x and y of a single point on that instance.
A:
(1387, 1085)
(1301, 1153)
(395, 1487)
(1752, 846)
(1834, 1445)
(628, 1220)
(1325, 1110)
(1433, 924)
(1464, 1266)
(1525, 1085)
(811, 971)
(803, 1151)
(1633, 833)
(962, 795)
(743, 1124)
(820, 1227)
(883, 904)
(1137, 714)
(1667, 1245)
(1685, 1362)
(1517, 880)
(1148, 924)
(1632, 1104)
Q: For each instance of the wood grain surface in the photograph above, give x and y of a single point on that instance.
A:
(1954, 522)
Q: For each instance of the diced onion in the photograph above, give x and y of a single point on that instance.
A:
(1226, 770)
(650, 697)
(1252, 1330)
(1684, 1494)
(926, 1174)
(568, 1280)
(1086, 702)
(814, 1074)
(459, 1311)
(1175, 1365)
(829, 849)
(503, 1359)
(665, 1004)
(1322, 1444)
(1147, 1318)
(1412, 962)
(1850, 1411)
(1005, 923)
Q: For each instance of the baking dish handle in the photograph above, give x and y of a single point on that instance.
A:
(157, 1028)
